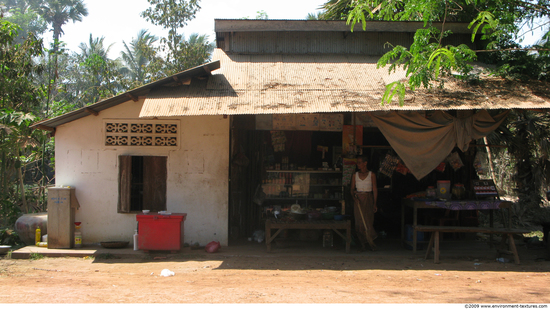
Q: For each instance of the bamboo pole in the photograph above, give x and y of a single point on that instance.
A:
(369, 239)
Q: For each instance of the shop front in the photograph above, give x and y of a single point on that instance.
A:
(291, 167)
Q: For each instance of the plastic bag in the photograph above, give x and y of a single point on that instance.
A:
(388, 165)
(455, 161)
(212, 247)
(167, 273)
(480, 163)
(258, 236)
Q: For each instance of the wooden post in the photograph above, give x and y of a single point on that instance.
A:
(268, 234)
(436, 251)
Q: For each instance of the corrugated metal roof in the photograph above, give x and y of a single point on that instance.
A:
(50, 124)
(279, 84)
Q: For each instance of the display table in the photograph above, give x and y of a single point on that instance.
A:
(437, 230)
(281, 225)
(160, 232)
(452, 205)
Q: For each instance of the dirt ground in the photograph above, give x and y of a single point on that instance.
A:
(218, 278)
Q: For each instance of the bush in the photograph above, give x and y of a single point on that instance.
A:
(10, 237)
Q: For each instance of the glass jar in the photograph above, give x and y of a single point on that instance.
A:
(430, 192)
(459, 192)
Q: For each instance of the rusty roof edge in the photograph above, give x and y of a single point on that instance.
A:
(132, 94)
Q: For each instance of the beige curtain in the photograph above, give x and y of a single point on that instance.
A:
(423, 143)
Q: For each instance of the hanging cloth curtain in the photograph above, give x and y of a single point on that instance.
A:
(423, 143)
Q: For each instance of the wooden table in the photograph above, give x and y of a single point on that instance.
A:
(453, 205)
(437, 230)
(282, 225)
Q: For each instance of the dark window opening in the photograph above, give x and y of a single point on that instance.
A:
(142, 183)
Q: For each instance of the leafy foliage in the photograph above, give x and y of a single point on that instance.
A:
(28, 20)
(494, 23)
(171, 14)
(136, 58)
(9, 237)
(180, 53)
(20, 98)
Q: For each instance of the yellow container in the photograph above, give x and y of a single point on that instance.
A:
(38, 236)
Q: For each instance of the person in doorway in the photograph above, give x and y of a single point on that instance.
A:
(365, 194)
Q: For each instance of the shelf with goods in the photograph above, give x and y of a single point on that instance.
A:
(310, 188)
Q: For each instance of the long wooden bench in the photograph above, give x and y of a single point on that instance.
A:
(436, 230)
(281, 225)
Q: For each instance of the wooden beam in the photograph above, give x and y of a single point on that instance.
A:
(185, 81)
(132, 97)
(373, 146)
(91, 111)
(45, 128)
(494, 146)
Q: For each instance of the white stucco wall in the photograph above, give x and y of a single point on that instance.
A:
(197, 178)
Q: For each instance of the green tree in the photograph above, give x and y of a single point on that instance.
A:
(57, 13)
(19, 97)
(95, 76)
(171, 14)
(498, 23)
(201, 40)
(137, 56)
(17, 67)
(22, 14)
(185, 54)
(180, 53)
(315, 16)
(336, 9)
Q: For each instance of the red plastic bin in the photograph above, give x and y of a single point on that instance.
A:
(160, 232)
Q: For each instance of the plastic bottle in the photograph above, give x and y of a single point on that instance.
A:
(135, 240)
(38, 236)
(77, 237)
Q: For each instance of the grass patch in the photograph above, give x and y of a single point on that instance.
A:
(35, 256)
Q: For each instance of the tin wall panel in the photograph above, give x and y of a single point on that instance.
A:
(365, 43)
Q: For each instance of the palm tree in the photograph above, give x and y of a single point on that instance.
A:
(196, 39)
(137, 56)
(336, 9)
(97, 74)
(319, 15)
(58, 12)
(94, 47)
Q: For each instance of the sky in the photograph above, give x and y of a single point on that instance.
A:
(119, 20)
